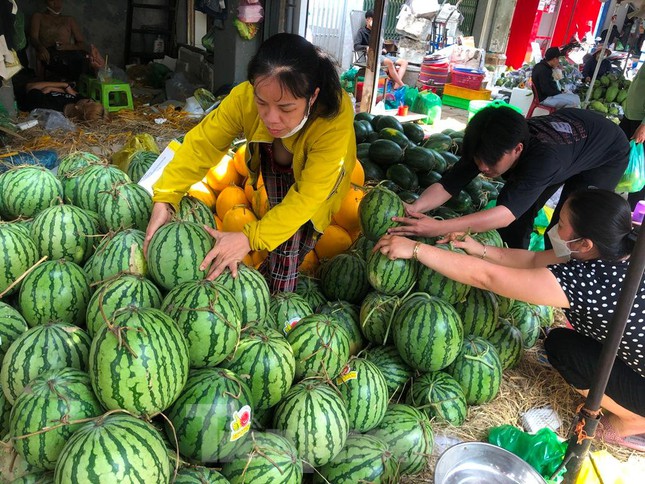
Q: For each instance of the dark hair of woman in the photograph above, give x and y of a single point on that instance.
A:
(301, 68)
(604, 218)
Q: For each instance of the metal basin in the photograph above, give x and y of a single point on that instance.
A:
(482, 463)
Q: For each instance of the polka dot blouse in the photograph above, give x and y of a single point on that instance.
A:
(593, 288)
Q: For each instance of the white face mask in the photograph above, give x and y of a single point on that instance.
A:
(560, 246)
(300, 125)
(54, 11)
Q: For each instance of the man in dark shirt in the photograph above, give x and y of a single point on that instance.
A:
(572, 148)
(544, 76)
(592, 62)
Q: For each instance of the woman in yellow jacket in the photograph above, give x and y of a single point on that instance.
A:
(299, 127)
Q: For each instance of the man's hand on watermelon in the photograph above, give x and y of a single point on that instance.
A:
(162, 213)
(461, 240)
(394, 247)
(228, 251)
(416, 224)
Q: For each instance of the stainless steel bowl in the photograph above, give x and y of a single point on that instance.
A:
(482, 463)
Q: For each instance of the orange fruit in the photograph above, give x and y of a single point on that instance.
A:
(248, 259)
(231, 196)
(347, 215)
(218, 222)
(223, 174)
(358, 174)
(258, 257)
(236, 218)
(333, 241)
(248, 189)
(310, 263)
(260, 202)
(239, 160)
(203, 192)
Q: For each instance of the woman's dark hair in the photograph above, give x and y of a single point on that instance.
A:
(492, 132)
(604, 217)
(301, 68)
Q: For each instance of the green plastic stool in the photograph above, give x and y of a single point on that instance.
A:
(113, 95)
(83, 85)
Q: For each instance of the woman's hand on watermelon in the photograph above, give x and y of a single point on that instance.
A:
(416, 224)
(463, 241)
(228, 251)
(395, 247)
(162, 213)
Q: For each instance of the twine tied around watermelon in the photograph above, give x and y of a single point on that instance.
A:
(22, 276)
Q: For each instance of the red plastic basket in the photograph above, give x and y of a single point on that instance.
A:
(468, 80)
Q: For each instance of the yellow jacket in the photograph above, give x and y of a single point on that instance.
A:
(324, 154)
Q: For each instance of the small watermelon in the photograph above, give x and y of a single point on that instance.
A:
(439, 395)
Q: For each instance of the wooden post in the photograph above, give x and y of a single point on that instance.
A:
(370, 84)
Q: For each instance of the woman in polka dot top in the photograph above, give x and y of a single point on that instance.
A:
(582, 274)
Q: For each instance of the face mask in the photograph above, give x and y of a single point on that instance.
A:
(560, 246)
(54, 11)
(300, 125)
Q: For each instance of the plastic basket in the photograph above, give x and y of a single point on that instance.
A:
(464, 93)
(469, 80)
(455, 102)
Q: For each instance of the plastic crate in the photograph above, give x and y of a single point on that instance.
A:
(455, 102)
(464, 93)
(469, 80)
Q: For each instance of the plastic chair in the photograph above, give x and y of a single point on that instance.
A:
(113, 95)
(536, 104)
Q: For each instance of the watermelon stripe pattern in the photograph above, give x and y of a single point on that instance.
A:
(344, 277)
(12, 325)
(124, 206)
(209, 317)
(313, 416)
(268, 359)
(140, 163)
(42, 348)
(393, 368)
(376, 317)
(265, 458)
(286, 309)
(55, 291)
(309, 289)
(376, 210)
(251, 291)
(114, 448)
(193, 210)
(507, 340)
(146, 372)
(53, 397)
(438, 285)
(348, 317)
(96, 179)
(439, 395)
(28, 190)
(479, 313)
(121, 252)
(212, 417)
(17, 254)
(175, 253)
(64, 232)
(72, 163)
(199, 475)
(391, 277)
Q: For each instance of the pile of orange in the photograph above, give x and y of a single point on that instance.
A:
(227, 191)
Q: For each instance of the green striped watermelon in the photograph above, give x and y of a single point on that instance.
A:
(64, 232)
(505, 304)
(193, 210)
(42, 348)
(21, 226)
(17, 254)
(320, 346)
(116, 254)
(349, 318)
(264, 458)
(364, 458)
(262, 419)
(140, 163)
(438, 285)
(175, 253)
(286, 309)
(392, 277)
(12, 325)
(5, 412)
(55, 291)
(507, 340)
(114, 448)
(251, 290)
(478, 370)
(344, 277)
(490, 237)
(212, 417)
(38, 477)
(73, 162)
(52, 398)
(376, 210)
(439, 395)
(124, 206)
(209, 317)
(140, 364)
(394, 369)
(199, 475)
(362, 247)
(118, 293)
(479, 313)
(424, 346)
(528, 318)
(408, 434)
(364, 390)
(377, 313)
(313, 416)
(95, 179)
(268, 359)
(27, 190)
(309, 289)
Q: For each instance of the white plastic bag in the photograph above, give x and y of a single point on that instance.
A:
(412, 26)
(424, 8)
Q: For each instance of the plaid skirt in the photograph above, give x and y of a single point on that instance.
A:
(281, 267)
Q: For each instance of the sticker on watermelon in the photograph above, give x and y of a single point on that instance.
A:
(241, 423)
(346, 375)
(289, 325)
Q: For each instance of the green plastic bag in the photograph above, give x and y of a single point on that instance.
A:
(428, 103)
(633, 180)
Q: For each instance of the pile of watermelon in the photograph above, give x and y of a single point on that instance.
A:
(111, 362)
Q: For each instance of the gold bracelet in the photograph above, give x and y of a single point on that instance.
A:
(483, 256)
(415, 252)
